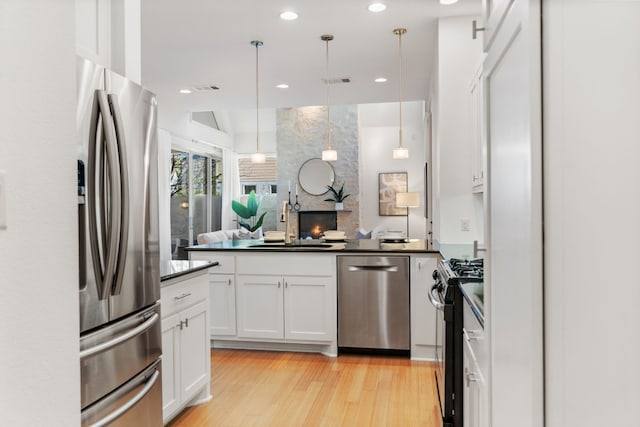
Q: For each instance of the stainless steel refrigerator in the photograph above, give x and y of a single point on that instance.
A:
(119, 280)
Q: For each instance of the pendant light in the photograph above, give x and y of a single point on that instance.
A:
(329, 154)
(257, 157)
(400, 153)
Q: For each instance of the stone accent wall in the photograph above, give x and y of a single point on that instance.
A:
(301, 134)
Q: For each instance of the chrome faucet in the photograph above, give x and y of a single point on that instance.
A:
(285, 218)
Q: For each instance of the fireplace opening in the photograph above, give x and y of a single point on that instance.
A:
(313, 223)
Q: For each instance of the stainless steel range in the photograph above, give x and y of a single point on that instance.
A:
(446, 296)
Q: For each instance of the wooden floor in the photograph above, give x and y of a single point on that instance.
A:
(256, 388)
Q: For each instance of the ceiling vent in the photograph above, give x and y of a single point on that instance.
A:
(337, 80)
(206, 88)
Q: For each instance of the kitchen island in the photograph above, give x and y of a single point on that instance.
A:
(272, 296)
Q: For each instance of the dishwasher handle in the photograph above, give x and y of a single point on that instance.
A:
(390, 268)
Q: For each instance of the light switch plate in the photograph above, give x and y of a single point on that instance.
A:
(3, 200)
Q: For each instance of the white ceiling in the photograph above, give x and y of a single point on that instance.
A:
(187, 43)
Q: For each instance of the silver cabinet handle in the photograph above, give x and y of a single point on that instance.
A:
(131, 403)
(186, 322)
(437, 304)
(278, 284)
(471, 377)
(119, 339)
(229, 282)
(286, 285)
(470, 335)
(182, 296)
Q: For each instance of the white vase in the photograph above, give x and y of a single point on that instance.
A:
(339, 206)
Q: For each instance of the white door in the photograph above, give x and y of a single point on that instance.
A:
(512, 73)
(222, 304)
(260, 306)
(194, 351)
(309, 308)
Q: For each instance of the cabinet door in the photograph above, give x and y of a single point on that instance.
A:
(423, 313)
(222, 304)
(473, 391)
(310, 307)
(260, 306)
(194, 349)
(170, 365)
(477, 129)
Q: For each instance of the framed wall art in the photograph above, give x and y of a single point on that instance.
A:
(388, 185)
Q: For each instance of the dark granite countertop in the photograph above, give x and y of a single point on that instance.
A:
(474, 295)
(176, 268)
(363, 245)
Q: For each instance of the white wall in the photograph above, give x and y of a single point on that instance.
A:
(39, 362)
(458, 58)
(591, 70)
(243, 127)
(379, 129)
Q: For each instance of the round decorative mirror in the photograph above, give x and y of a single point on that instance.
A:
(314, 176)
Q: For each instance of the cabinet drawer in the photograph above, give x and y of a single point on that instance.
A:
(226, 263)
(184, 294)
(284, 264)
(474, 336)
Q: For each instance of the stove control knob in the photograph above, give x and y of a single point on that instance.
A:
(435, 275)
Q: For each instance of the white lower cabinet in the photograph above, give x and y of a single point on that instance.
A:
(285, 307)
(222, 303)
(186, 365)
(423, 313)
(474, 362)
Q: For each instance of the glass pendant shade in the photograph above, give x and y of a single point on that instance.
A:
(400, 153)
(258, 158)
(329, 155)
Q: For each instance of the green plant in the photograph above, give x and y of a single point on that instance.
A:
(248, 212)
(338, 195)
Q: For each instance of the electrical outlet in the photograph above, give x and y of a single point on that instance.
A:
(3, 200)
(465, 224)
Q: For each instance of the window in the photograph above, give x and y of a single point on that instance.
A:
(196, 198)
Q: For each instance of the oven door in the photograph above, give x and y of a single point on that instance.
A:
(437, 300)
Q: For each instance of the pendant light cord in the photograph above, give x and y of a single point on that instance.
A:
(400, 32)
(327, 39)
(257, 44)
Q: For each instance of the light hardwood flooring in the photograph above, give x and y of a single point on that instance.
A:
(257, 388)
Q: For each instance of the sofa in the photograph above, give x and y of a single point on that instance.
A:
(221, 235)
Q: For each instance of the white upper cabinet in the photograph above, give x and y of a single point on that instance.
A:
(92, 30)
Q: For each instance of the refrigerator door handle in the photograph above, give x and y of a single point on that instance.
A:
(129, 404)
(103, 244)
(120, 338)
(123, 237)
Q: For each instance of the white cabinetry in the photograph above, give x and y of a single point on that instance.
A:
(93, 21)
(222, 293)
(475, 365)
(289, 297)
(423, 313)
(285, 307)
(186, 364)
(478, 146)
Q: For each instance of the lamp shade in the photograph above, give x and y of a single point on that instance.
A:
(407, 200)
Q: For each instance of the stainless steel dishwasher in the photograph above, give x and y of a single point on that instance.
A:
(373, 302)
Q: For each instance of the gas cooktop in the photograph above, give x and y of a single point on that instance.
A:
(462, 270)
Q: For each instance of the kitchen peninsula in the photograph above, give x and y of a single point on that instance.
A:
(272, 296)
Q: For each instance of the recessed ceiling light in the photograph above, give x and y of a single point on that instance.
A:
(377, 7)
(282, 86)
(185, 91)
(380, 80)
(447, 2)
(288, 15)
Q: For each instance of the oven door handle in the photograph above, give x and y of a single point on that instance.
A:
(437, 304)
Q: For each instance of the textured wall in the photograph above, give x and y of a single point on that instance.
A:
(301, 134)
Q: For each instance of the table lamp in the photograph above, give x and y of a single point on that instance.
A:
(407, 200)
